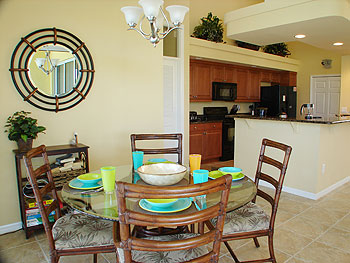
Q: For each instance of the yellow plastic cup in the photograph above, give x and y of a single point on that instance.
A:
(195, 162)
(108, 178)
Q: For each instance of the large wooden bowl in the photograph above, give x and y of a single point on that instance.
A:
(162, 173)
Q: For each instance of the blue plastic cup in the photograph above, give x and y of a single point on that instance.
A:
(137, 158)
(200, 176)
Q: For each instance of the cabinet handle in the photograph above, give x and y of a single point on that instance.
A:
(195, 127)
(204, 133)
(214, 126)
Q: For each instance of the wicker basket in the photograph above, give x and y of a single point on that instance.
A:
(60, 178)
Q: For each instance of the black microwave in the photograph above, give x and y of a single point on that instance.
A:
(224, 91)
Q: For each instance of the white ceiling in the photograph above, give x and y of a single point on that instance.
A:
(322, 21)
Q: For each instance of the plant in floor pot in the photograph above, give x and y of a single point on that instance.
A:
(23, 129)
(280, 49)
(211, 29)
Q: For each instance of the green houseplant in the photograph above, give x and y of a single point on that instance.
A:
(280, 49)
(23, 129)
(211, 29)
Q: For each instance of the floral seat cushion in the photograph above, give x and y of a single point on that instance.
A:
(80, 230)
(167, 256)
(245, 219)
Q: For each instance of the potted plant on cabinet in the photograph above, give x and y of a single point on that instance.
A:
(211, 29)
(23, 129)
(280, 49)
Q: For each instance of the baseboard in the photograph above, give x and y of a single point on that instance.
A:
(308, 194)
(10, 228)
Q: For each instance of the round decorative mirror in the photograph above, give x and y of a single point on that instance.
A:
(52, 69)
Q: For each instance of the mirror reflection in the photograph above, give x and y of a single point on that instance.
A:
(54, 70)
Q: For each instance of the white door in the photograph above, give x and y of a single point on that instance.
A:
(325, 94)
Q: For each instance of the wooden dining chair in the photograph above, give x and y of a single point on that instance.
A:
(71, 234)
(185, 247)
(250, 221)
(170, 150)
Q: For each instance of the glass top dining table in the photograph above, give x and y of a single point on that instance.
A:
(104, 205)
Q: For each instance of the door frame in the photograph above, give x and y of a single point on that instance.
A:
(312, 79)
(180, 81)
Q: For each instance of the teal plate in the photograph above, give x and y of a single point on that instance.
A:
(179, 205)
(77, 184)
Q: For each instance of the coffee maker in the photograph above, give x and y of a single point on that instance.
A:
(308, 110)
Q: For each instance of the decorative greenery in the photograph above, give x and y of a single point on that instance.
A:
(280, 49)
(21, 126)
(211, 29)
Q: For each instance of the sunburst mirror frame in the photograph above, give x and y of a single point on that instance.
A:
(19, 69)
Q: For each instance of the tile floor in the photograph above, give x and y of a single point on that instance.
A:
(306, 231)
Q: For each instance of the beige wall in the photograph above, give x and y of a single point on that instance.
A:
(310, 64)
(126, 96)
(345, 83)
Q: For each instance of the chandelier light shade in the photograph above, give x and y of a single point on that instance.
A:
(51, 64)
(154, 13)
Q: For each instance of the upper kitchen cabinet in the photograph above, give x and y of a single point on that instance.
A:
(200, 81)
(223, 73)
(288, 78)
(248, 85)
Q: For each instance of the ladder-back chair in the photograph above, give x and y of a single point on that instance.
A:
(250, 221)
(72, 234)
(185, 247)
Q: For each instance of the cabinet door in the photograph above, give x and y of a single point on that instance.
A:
(254, 85)
(213, 144)
(196, 138)
(265, 76)
(275, 77)
(217, 73)
(230, 74)
(196, 143)
(242, 84)
(200, 82)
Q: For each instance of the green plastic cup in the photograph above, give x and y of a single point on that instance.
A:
(108, 178)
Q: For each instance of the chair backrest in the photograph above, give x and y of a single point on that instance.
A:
(261, 176)
(127, 217)
(48, 190)
(173, 136)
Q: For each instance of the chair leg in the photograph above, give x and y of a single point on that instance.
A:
(256, 242)
(95, 258)
(271, 250)
(231, 252)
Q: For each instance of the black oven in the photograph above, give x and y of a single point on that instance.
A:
(224, 91)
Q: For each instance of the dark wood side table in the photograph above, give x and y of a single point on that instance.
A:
(80, 149)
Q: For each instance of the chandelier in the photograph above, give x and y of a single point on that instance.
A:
(51, 64)
(155, 15)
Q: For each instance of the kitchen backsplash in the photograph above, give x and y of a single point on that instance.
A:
(198, 106)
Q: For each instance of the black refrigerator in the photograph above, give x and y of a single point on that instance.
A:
(278, 99)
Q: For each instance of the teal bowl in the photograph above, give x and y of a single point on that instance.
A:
(234, 171)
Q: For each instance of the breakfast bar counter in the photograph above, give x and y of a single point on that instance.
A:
(331, 120)
(320, 150)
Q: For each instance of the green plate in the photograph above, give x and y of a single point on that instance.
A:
(217, 174)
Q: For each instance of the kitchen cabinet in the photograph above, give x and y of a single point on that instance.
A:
(254, 85)
(200, 81)
(248, 85)
(248, 79)
(288, 78)
(206, 139)
(223, 73)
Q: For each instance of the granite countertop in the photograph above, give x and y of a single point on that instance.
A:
(199, 122)
(332, 120)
